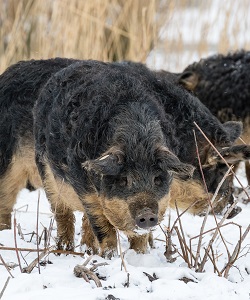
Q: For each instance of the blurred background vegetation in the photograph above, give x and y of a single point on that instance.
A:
(166, 34)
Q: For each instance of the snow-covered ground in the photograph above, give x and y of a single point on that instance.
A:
(57, 281)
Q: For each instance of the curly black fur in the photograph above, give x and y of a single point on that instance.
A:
(184, 109)
(222, 83)
(89, 107)
(115, 104)
(19, 88)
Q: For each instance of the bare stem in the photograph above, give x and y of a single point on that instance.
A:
(37, 240)
(15, 240)
(4, 287)
(6, 267)
(120, 250)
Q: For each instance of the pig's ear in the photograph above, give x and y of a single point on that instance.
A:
(234, 129)
(232, 155)
(167, 161)
(110, 163)
(189, 80)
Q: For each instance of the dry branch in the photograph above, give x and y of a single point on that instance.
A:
(42, 250)
(6, 266)
(169, 245)
(4, 287)
(15, 240)
(37, 242)
(235, 253)
(120, 250)
(82, 272)
(236, 177)
(150, 277)
(36, 261)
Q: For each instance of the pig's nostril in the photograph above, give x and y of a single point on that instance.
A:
(146, 220)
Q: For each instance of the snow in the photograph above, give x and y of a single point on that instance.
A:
(57, 280)
(207, 28)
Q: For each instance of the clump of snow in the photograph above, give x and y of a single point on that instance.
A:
(168, 280)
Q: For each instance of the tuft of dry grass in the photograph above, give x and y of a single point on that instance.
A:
(99, 29)
(109, 30)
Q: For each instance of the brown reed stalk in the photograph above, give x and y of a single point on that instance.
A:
(15, 241)
(5, 265)
(66, 252)
(37, 237)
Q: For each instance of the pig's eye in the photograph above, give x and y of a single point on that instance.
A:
(122, 182)
(158, 180)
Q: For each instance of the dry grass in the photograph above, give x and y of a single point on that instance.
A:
(121, 29)
(99, 29)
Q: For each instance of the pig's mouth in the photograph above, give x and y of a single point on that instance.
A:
(141, 231)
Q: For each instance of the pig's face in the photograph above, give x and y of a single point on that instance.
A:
(135, 194)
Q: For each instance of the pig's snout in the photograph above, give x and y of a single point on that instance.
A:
(146, 219)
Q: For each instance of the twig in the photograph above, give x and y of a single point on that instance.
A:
(87, 260)
(42, 250)
(26, 206)
(168, 253)
(206, 216)
(49, 234)
(181, 214)
(81, 271)
(150, 277)
(37, 242)
(39, 238)
(212, 260)
(222, 159)
(126, 284)
(19, 231)
(209, 230)
(200, 269)
(4, 287)
(210, 201)
(185, 253)
(35, 262)
(95, 266)
(213, 257)
(5, 265)
(236, 252)
(32, 234)
(200, 165)
(15, 240)
(120, 250)
(23, 258)
(233, 257)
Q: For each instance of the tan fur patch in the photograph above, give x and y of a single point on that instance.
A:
(115, 213)
(190, 81)
(139, 242)
(88, 237)
(64, 201)
(21, 170)
(186, 193)
(95, 209)
(192, 194)
(246, 131)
